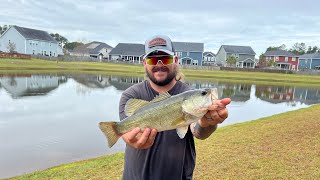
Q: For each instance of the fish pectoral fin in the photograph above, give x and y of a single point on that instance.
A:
(182, 131)
(133, 105)
(162, 96)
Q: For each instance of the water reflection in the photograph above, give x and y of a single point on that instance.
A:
(32, 85)
(57, 122)
(35, 85)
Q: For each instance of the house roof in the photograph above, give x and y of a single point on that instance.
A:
(34, 34)
(91, 48)
(238, 49)
(279, 53)
(128, 49)
(206, 53)
(188, 46)
(310, 56)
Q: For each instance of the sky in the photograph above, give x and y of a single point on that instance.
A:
(254, 23)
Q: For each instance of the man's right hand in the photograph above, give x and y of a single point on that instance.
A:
(138, 139)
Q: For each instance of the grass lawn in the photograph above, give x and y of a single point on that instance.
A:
(283, 146)
(14, 66)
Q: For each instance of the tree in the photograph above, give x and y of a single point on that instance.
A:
(312, 49)
(231, 60)
(62, 40)
(11, 47)
(298, 48)
(72, 45)
(4, 28)
(271, 62)
(262, 60)
(272, 48)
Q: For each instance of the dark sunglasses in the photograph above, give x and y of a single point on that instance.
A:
(165, 60)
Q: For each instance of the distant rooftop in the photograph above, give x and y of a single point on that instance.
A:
(315, 55)
(130, 49)
(91, 48)
(34, 34)
(188, 46)
(238, 49)
(279, 53)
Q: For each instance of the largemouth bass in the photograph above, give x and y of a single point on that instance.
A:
(164, 112)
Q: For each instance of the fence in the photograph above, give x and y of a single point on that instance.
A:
(258, 70)
(15, 55)
(184, 66)
(309, 72)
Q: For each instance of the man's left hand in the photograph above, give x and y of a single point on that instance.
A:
(216, 114)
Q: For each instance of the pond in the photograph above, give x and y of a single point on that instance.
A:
(48, 120)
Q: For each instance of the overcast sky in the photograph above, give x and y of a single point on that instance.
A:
(254, 23)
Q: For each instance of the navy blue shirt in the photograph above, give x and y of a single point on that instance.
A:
(169, 157)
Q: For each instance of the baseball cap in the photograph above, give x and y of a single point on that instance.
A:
(159, 43)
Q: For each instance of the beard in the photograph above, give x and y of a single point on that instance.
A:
(170, 77)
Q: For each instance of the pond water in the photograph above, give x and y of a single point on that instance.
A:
(48, 120)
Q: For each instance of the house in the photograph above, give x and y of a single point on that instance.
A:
(94, 49)
(127, 52)
(283, 59)
(310, 61)
(29, 41)
(209, 58)
(244, 54)
(188, 52)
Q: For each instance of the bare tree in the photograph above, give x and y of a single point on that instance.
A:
(11, 47)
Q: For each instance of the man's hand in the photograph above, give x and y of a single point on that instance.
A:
(140, 140)
(216, 114)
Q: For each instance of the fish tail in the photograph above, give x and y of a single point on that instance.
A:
(109, 129)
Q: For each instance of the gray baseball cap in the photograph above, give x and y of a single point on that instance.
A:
(159, 43)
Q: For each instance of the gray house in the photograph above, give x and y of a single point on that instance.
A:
(127, 52)
(94, 49)
(209, 58)
(30, 41)
(309, 61)
(188, 52)
(244, 54)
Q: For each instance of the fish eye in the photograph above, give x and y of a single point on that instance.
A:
(203, 93)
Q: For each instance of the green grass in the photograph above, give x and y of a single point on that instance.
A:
(283, 146)
(14, 66)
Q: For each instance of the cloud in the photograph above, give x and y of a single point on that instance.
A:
(247, 22)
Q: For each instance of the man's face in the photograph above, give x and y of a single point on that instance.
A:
(161, 74)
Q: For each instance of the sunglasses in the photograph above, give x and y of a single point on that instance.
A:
(165, 60)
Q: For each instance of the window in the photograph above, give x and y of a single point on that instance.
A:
(286, 59)
(277, 58)
(106, 50)
(32, 51)
(50, 53)
(293, 58)
(293, 67)
(188, 53)
(178, 54)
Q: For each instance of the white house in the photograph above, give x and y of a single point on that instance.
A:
(94, 49)
(30, 41)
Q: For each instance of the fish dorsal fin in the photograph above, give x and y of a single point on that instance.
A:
(182, 131)
(133, 105)
(161, 96)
